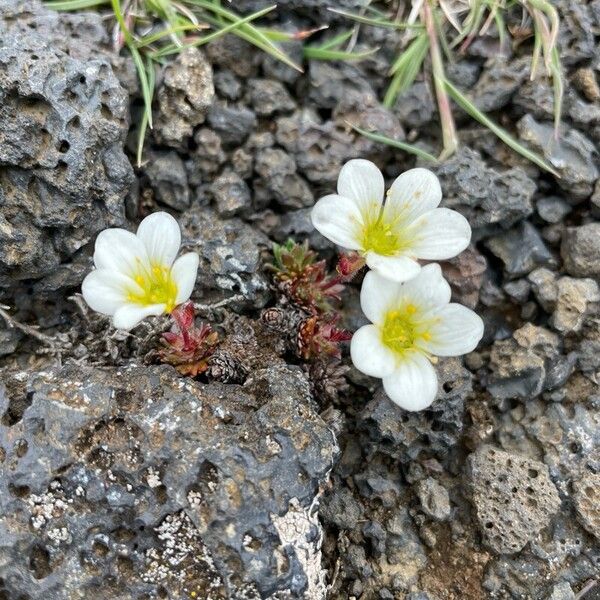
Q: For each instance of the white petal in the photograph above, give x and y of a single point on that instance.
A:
(457, 331)
(184, 272)
(413, 193)
(106, 291)
(161, 235)
(439, 234)
(339, 220)
(413, 385)
(119, 250)
(394, 268)
(361, 181)
(369, 354)
(128, 316)
(377, 296)
(428, 290)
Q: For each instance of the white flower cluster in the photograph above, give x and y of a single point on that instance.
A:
(408, 304)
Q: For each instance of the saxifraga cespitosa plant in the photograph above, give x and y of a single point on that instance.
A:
(309, 297)
(439, 29)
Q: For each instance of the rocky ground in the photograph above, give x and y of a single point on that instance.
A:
(121, 479)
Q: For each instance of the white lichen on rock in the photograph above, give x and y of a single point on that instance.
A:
(299, 528)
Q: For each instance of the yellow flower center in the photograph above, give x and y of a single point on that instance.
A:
(157, 284)
(384, 236)
(401, 329)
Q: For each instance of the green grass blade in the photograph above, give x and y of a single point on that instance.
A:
(336, 41)
(173, 49)
(284, 36)
(378, 137)
(247, 31)
(137, 59)
(501, 133)
(151, 76)
(406, 68)
(75, 4)
(321, 54)
(155, 37)
(379, 22)
(557, 84)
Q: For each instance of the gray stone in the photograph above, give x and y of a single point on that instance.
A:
(513, 496)
(562, 591)
(576, 299)
(499, 80)
(587, 502)
(519, 365)
(576, 35)
(269, 97)
(280, 180)
(434, 499)
(135, 479)
(227, 85)
(184, 96)
(231, 193)
(552, 209)
(9, 339)
(521, 250)
(232, 123)
(483, 195)
(404, 435)
(230, 257)
(234, 54)
(465, 274)
(319, 150)
(573, 156)
(580, 250)
(415, 107)
(168, 178)
(207, 158)
(364, 110)
(341, 509)
(330, 82)
(63, 122)
(518, 290)
(545, 287)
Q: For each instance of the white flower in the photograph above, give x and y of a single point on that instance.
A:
(136, 274)
(391, 236)
(411, 322)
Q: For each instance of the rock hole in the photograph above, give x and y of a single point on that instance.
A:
(532, 473)
(64, 146)
(82, 79)
(489, 525)
(21, 448)
(448, 386)
(99, 548)
(20, 491)
(125, 566)
(39, 562)
(161, 494)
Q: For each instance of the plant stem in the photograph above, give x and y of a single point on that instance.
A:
(449, 137)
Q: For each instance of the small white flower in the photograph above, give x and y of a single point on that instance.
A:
(391, 236)
(411, 322)
(136, 274)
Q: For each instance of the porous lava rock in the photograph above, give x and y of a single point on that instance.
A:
(513, 496)
(63, 120)
(134, 481)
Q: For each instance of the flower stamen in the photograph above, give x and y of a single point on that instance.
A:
(158, 287)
